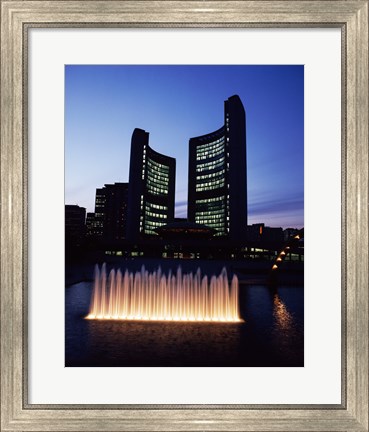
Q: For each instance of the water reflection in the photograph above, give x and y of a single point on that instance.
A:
(287, 329)
(283, 319)
(160, 343)
(272, 334)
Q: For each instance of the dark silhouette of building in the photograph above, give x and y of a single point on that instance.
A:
(109, 222)
(261, 233)
(217, 190)
(75, 224)
(99, 212)
(290, 232)
(116, 203)
(184, 230)
(151, 188)
(90, 225)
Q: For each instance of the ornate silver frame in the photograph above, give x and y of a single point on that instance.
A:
(17, 17)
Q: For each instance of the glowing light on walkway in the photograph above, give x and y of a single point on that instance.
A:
(146, 296)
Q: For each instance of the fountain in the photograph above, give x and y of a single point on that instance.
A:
(155, 296)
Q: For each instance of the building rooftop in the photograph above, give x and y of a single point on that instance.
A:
(185, 228)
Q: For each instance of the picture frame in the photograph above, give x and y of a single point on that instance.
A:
(351, 17)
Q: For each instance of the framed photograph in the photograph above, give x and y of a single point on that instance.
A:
(161, 164)
(176, 254)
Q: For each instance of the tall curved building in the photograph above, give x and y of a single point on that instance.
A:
(151, 191)
(217, 189)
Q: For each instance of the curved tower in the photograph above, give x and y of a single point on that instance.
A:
(151, 188)
(217, 189)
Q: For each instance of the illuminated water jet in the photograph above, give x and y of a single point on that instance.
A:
(155, 296)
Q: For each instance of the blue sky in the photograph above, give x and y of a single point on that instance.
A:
(104, 104)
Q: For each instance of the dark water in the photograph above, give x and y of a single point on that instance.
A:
(272, 334)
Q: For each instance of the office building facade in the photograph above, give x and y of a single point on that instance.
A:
(99, 212)
(90, 225)
(217, 189)
(116, 207)
(75, 224)
(151, 188)
(109, 222)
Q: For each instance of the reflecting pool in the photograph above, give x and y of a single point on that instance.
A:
(272, 334)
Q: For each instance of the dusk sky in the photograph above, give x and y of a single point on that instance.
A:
(104, 104)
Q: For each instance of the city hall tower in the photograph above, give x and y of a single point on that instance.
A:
(217, 179)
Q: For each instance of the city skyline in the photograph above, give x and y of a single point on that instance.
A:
(104, 104)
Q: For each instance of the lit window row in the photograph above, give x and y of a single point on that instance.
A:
(158, 174)
(210, 185)
(156, 206)
(214, 218)
(203, 147)
(156, 215)
(157, 166)
(211, 175)
(210, 200)
(215, 149)
(204, 211)
(158, 178)
(218, 226)
(156, 191)
(153, 224)
(210, 153)
(212, 215)
(156, 184)
(209, 213)
(207, 166)
(210, 206)
(156, 181)
(215, 225)
(213, 180)
(149, 231)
